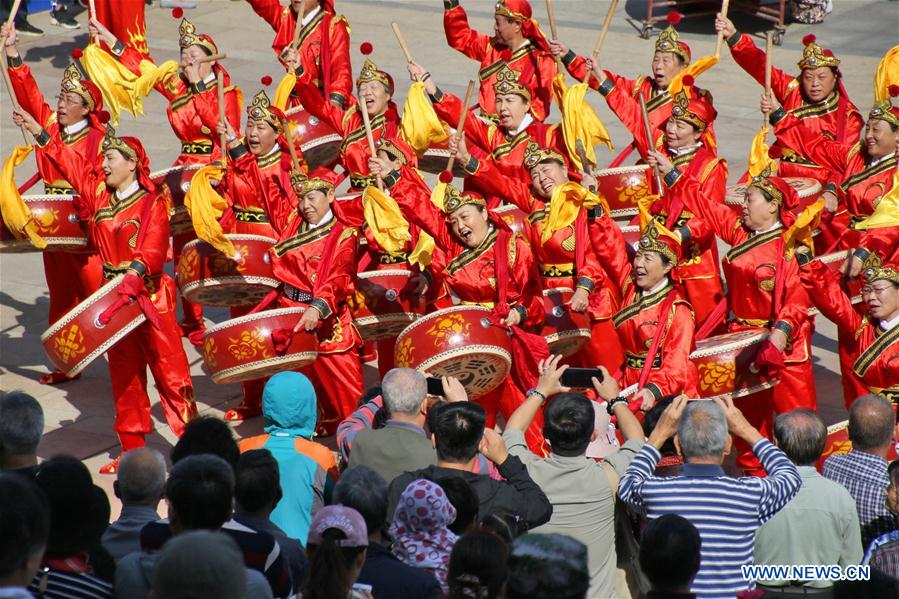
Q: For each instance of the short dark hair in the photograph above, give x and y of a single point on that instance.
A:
(364, 490)
(477, 565)
(205, 434)
(21, 423)
(569, 423)
(200, 490)
(24, 522)
(893, 472)
(505, 524)
(458, 428)
(801, 435)
(871, 422)
(257, 480)
(669, 552)
(651, 419)
(464, 499)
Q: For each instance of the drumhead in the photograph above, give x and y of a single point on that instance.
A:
(233, 237)
(173, 169)
(252, 317)
(727, 342)
(242, 290)
(263, 368)
(371, 274)
(622, 170)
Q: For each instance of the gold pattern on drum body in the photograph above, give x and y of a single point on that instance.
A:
(188, 266)
(404, 353)
(47, 221)
(209, 351)
(837, 448)
(69, 343)
(635, 189)
(716, 378)
(249, 346)
(451, 325)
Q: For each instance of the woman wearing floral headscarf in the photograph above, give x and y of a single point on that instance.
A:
(421, 537)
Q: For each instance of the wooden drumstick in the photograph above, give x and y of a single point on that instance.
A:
(294, 159)
(552, 29)
(768, 47)
(211, 58)
(220, 81)
(649, 141)
(371, 139)
(605, 29)
(460, 130)
(401, 40)
(9, 89)
(12, 15)
(92, 14)
(724, 6)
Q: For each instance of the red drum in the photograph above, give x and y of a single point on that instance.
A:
(242, 349)
(380, 308)
(56, 222)
(622, 187)
(724, 363)
(177, 180)
(459, 342)
(566, 331)
(838, 442)
(807, 188)
(318, 141)
(631, 234)
(435, 159)
(514, 216)
(208, 277)
(78, 338)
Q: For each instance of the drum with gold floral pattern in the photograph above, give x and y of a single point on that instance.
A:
(622, 187)
(382, 305)
(566, 331)
(807, 189)
(458, 342)
(206, 276)
(318, 141)
(838, 442)
(724, 363)
(176, 182)
(79, 338)
(55, 220)
(257, 345)
(514, 216)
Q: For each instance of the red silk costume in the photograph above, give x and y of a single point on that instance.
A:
(751, 269)
(873, 351)
(557, 264)
(324, 45)
(532, 60)
(126, 20)
(470, 278)
(336, 373)
(114, 226)
(672, 371)
(71, 276)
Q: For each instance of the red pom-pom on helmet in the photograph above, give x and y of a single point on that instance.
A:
(688, 81)
(674, 18)
(266, 80)
(177, 12)
(809, 39)
(77, 53)
(775, 152)
(103, 117)
(445, 177)
(366, 48)
(828, 53)
(893, 90)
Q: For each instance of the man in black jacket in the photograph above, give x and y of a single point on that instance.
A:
(458, 433)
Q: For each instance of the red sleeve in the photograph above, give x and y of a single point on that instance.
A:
(155, 245)
(492, 182)
(854, 125)
(721, 219)
(131, 60)
(752, 60)
(794, 309)
(339, 284)
(206, 103)
(341, 67)
(29, 95)
(675, 373)
(793, 133)
(883, 240)
(524, 272)
(628, 111)
(463, 38)
(823, 287)
(269, 10)
(311, 98)
(414, 199)
(77, 170)
(611, 249)
(449, 108)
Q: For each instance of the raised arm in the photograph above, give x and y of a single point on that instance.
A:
(782, 482)
(414, 199)
(24, 86)
(271, 11)
(205, 101)
(752, 60)
(491, 181)
(823, 287)
(76, 169)
(311, 99)
(459, 35)
(611, 249)
(627, 108)
(362, 419)
(341, 83)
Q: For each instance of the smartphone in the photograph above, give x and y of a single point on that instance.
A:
(435, 386)
(580, 377)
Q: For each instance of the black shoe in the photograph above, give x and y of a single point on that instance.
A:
(64, 19)
(27, 28)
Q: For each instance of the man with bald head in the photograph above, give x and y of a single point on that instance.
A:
(863, 471)
(139, 484)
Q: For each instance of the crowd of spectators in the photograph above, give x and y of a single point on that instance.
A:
(424, 501)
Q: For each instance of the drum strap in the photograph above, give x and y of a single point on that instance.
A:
(661, 331)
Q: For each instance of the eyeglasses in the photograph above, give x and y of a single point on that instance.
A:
(68, 100)
(871, 291)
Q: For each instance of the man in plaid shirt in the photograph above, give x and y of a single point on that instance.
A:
(883, 554)
(863, 471)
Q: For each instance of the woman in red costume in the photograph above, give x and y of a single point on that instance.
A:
(128, 222)
(193, 113)
(71, 276)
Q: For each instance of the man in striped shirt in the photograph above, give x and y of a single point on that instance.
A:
(726, 511)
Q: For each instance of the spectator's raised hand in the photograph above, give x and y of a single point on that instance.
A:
(736, 421)
(493, 447)
(667, 425)
(549, 381)
(607, 389)
(453, 389)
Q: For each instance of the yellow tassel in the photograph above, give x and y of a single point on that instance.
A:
(758, 155)
(282, 93)
(887, 74)
(886, 214)
(564, 205)
(385, 220)
(801, 231)
(694, 69)
(580, 122)
(16, 215)
(206, 207)
(419, 125)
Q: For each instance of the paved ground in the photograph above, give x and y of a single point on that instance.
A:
(79, 414)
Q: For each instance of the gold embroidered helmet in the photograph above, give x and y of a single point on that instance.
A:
(874, 269)
(884, 110)
(188, 36)
(814, 56)
(455, 199)
(111, 142)
(321, 179)
(72, 83)
(370, 72)
(507, 82)
(534, 155)
(669, 40)
(262, 110)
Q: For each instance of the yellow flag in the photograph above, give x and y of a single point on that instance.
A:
(758, 155)
(694, 69)
(282, 94)
(421, 255)
(385, 220)
(801, 231)
(580, 122)
(206, 207)
(565, 204)
(886, 214)
(420, 126)
(887, 74)
(16, 215)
